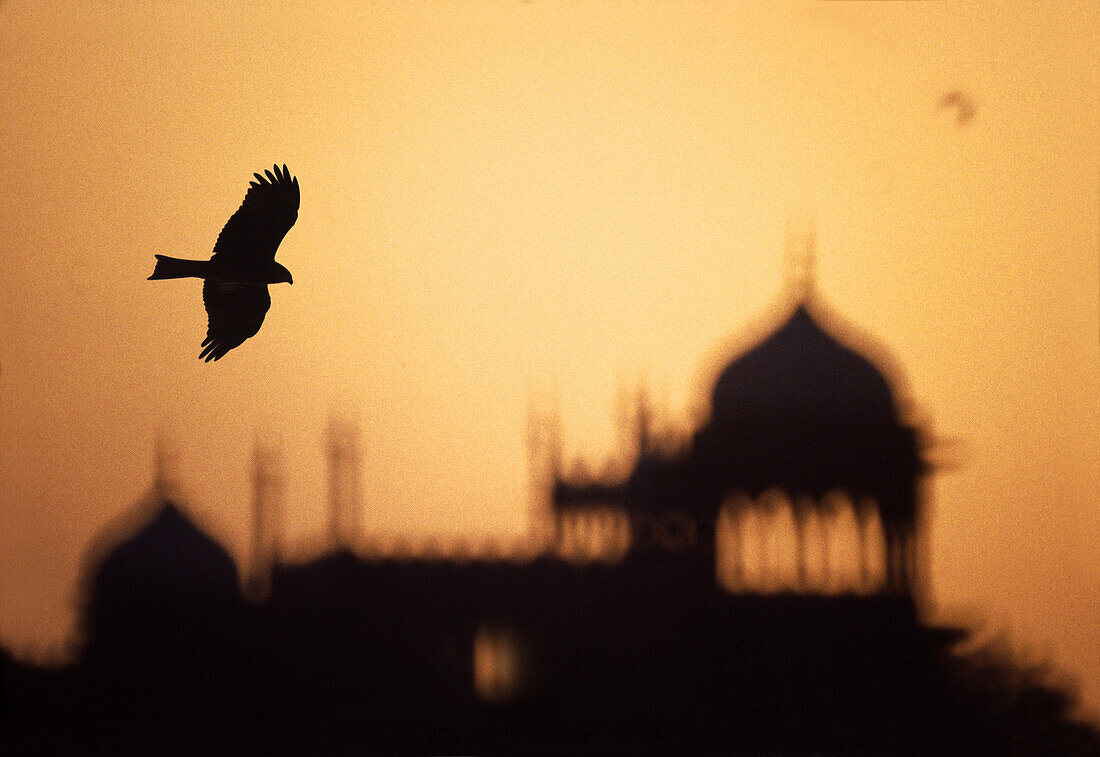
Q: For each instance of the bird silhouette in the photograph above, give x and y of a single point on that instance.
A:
(236, 277)
(963, 104)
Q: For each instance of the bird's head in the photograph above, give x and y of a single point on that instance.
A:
(279, 274)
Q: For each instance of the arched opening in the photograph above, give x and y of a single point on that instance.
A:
(593, 533)
(729, 542)
(843, 544)
(773, 544)
(874, 546)
(814, 558)
(758, 544)
(781, 543)
(749, 528)
(501, 664)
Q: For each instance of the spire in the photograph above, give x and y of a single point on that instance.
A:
(644, 422)
(164, 475)
(544, 464)
(343, 451)
(800, 258)
(267, 490)
(544, 448)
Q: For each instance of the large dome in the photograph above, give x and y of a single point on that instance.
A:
(809, 412)
(800, 375)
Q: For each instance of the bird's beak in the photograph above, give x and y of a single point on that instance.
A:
(290, 280)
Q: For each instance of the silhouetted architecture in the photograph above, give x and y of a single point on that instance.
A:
(801, 425)
(342, 448)
(267, 520)
(751, 588)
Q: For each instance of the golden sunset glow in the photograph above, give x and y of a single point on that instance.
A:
(547, 204)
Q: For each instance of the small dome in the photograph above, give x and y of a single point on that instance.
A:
(167, 554)
(801, 376)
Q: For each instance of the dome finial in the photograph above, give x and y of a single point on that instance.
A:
(164, 478)
(801, 249)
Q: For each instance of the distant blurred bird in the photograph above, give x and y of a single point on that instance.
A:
(962, 103)
(235, 278)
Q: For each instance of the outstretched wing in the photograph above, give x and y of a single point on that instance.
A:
(234, 312)
(270, 208)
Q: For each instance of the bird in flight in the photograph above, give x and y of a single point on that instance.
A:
(236, 277)
(962, 103)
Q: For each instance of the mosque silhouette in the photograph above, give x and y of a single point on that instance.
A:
(756, 587)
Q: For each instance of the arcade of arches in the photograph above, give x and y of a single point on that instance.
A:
(769, 544)
(775, 543)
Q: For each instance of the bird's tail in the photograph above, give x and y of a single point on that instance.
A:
(176, 268)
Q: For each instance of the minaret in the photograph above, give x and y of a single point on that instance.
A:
(267, 517)
(343, 451)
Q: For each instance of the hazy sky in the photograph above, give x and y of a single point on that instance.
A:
(509, 199)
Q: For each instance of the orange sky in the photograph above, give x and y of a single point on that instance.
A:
(509, 199)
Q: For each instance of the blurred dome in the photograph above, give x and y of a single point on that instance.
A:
(164, 556)
(800, 375)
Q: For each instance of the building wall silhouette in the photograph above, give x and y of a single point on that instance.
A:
(633, 619)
